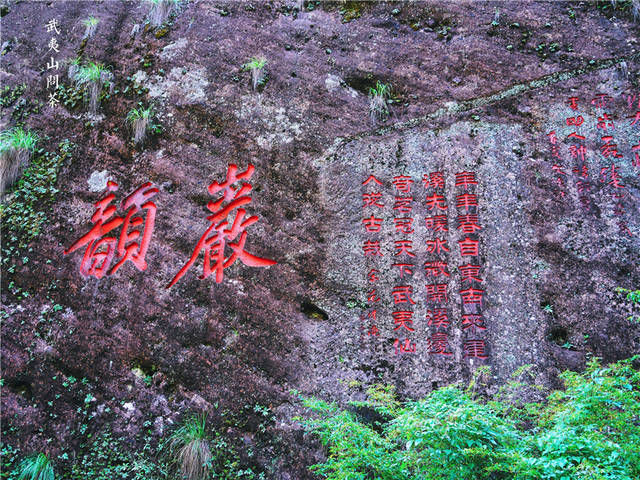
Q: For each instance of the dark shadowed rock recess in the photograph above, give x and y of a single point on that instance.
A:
(490, 218)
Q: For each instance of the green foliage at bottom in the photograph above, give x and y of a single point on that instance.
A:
(589, 431)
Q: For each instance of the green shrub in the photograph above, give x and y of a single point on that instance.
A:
(36, 467)
(591, 430)
(140, 120)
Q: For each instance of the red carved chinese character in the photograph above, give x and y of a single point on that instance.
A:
(609, 148)
(600, 101)
(582, 186)
(577, 121)
(471, 296)
(468, 223)
(404, 347)
(403, 204)
(372, 224)
(552, 137)
(404, 319)
(438, 344)
(372, 200)
(403, 225)
(373, 275)
(99, 251)
(614, 175)
(575, 135)
(558, 169)
(475, 349)
(402, 294)
(605, 122)
(623, 228)
(373, 331)
(436, 269)
(404, 268)
(433, 180)
(437, 293)
(402, 183)
(473, 323)
(573, 103)
(464, 179)
(583, 171)
(631, 100)
(372, 179)
(215, 238)
(437, 245)
(404, 246)
(466, 201)
(436, 201)
(470, 273)
(127, 246)
(373, 297)
(371, 248)
(438, 318)
(373, 314)
(636, 118)
(578, 151)
(437, 223)
(469, 247)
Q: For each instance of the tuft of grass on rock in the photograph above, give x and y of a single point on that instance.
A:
(16, 147)
(160, 11)
(91, 25)
(378, 96)
(189, 449)
(140, 121)
(36, 467)
(93, 77)
(256, 65)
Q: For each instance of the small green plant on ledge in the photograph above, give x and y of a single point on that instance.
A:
(91, 25)
(140, 120)
(378, 97)
(16, 147)
(256, 66)
(93, 77)
(189, 449)
(160, 11)
(74, 65)
(36, 467)
(634, 297)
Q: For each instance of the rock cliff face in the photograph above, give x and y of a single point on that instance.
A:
(479, 90)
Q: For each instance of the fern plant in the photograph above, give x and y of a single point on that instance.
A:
(36, 467)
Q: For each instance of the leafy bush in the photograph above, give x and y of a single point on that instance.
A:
(36, 467)
(591, 430)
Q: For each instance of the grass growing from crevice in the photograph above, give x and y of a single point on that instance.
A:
(378, 96)
(91, 25)
(16, 148)
(160, 11)
(588, 431)
(189, 448)
(140, 120)
(93, 77)
(36, 467)
(256, 65)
